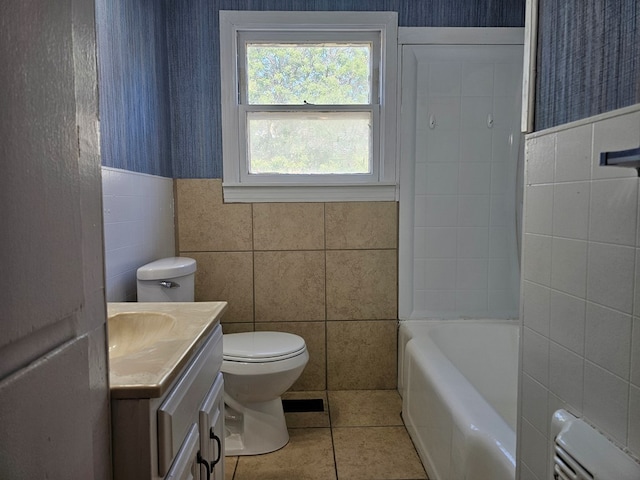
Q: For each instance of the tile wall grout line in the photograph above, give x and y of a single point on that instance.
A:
(326, 315)
(583, 355)
(253, 269)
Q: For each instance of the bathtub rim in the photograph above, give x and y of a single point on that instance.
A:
(489, 431)
(405, 333)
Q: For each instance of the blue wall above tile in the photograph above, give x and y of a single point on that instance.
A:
(133, 84)
(588, 59)
(143, 77)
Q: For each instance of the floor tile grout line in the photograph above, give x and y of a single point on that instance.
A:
(333, 444)
(235, 467)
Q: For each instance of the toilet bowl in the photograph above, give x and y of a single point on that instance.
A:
(258, 367)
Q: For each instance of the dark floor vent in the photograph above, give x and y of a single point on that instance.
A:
(303, 405)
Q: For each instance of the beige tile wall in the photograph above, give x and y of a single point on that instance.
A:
(325, 271)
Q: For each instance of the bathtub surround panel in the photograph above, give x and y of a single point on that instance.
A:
(586, 360)
(325, 271)
(459, 155)
(138, 227)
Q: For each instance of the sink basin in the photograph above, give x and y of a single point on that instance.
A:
(137, 331)
(149, 343)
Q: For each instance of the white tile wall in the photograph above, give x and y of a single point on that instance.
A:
(540, 209)
(534, 401)
(536, 305)
(608, 339)
(138, 227)
(634, 418)
(565, 377)
(465, 261)
(581, 282)
(570, 211)
(567, 320)
(606, 401)
(534, 451)
(569, 265)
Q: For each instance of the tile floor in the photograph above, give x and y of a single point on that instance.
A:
(359, 436)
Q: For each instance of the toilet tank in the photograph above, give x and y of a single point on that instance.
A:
(167, 280)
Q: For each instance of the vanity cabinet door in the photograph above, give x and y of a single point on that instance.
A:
(212, 427)
(180, 408)
(185, 465)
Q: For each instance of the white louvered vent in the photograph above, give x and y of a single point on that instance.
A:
(580, 452)
(566, 467)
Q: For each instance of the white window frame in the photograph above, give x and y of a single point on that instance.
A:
(238, 185)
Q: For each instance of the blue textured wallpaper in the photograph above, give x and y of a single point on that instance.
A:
(588, 59)
(159, 71)
(133, 86)
(194, 59)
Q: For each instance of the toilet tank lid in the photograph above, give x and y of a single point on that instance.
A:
(167, 268)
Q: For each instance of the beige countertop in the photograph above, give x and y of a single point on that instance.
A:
(145, 359)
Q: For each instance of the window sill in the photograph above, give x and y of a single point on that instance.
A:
(379, 192)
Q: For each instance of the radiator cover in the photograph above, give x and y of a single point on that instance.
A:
(580, 452)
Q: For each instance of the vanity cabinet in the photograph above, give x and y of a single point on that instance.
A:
(180, 434)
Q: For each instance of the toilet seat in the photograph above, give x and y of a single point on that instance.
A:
(261, 347)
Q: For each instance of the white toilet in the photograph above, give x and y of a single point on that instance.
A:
(257, 367)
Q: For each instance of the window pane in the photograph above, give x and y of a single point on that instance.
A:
(309, 143)
(320, 74)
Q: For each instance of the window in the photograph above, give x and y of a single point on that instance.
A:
(308, 105)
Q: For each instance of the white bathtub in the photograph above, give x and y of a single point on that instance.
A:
(458, 381)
